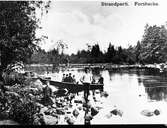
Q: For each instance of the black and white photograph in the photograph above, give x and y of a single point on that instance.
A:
(83, 62)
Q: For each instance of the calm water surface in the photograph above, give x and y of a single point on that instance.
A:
(129, 91)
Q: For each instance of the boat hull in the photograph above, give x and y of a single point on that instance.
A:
(73, 87)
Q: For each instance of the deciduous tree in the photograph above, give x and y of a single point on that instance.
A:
(18, 23)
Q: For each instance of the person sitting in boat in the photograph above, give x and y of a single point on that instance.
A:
(70, 79)
(73, 79)
(86, 79)
(101, 79)
(93, 80)
(63, 79)
(66, 78)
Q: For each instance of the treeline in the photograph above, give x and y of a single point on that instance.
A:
(151, 49)
(50, 57)
(93, 55)
(116, 55)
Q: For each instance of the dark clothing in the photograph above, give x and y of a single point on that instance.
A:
(47, 91)
(86, 92)
(101, 79)
(70, 79)
(66, 79)
(93, 81)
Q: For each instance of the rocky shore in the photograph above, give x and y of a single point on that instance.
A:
(24, 103)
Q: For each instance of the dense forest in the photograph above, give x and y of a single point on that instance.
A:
(151, 49)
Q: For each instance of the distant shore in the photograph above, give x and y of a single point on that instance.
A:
(106, 66)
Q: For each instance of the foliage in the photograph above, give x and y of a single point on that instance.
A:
(22, 102)
(92, 55)
(138, 51)
(51, 57)
(154, 44)
(111, 52)
(18, 25)
(23, 112)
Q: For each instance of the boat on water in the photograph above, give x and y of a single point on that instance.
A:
(72, 87)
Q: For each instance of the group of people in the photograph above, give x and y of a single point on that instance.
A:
(88, 78)
(85, 78)
(69, 78)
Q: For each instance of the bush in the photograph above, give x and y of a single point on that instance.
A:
(23, 112)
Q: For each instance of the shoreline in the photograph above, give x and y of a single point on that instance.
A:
(106, 66)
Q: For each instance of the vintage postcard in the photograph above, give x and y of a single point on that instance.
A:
(86, 62)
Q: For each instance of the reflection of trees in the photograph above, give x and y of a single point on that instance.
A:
(155, 88)
(139, 74)
(110, 74)
(139, 80)
(157, 93)
(163, 74)
(151, 71)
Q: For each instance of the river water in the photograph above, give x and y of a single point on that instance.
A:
(131, 92)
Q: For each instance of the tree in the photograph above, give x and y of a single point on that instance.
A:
(130, 55)
(95, 52)
(96, 56)
(110, 53)
(61, 45)
(154, 44)
(18, 25)
(40, 56)
(138, 51)
(119, 55)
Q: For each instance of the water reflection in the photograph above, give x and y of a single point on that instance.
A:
(157, 93)
(110, 73)
(155, 87)
(155, 84)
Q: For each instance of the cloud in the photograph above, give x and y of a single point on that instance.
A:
(77, 26)
(76, 29)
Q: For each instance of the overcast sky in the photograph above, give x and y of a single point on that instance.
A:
(80, 22)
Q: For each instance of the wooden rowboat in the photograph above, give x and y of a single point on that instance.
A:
(72, 87)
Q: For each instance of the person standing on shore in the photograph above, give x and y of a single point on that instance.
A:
(47, 94)
(86, 79)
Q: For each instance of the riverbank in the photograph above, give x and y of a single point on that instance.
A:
(24, 104)
(106, 66)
